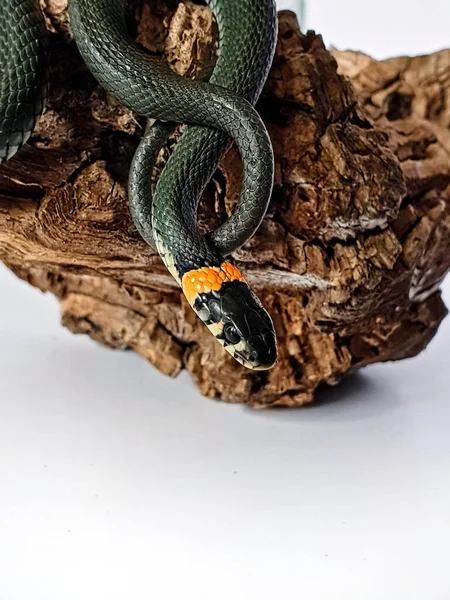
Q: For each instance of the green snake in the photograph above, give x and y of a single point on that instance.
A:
(215, 112)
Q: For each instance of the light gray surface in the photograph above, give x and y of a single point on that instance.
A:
(117, 482)
(382, 29)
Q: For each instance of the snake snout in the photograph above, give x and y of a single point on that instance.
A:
(248, 333)
(263, 351)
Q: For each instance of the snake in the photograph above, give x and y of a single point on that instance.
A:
(215, 112)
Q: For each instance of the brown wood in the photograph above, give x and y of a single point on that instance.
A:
(348, 261)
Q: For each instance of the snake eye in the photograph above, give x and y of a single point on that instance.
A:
(231, 334)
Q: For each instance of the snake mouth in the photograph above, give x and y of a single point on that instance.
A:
(258, 352)
(256, 357)
(251, 363)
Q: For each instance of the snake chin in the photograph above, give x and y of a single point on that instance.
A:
(247, 360)
(237, 319)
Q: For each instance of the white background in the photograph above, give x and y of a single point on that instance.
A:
(382, 29)
(116, 482)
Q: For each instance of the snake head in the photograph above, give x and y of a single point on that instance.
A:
(233, 314)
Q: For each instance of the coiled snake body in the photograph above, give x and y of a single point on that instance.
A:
(215, 111)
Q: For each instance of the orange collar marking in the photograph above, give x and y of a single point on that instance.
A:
(208, 279)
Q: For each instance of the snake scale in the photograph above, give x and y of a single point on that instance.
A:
(215, 112)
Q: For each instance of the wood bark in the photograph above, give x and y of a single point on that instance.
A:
(349, 259)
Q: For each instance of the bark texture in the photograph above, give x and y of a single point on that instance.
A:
(349, 259)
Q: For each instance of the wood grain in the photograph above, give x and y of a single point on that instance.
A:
(349, 259)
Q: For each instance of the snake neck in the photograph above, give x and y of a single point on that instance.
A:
(186, 253)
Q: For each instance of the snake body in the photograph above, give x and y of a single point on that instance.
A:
(215, 111)
(22, 72)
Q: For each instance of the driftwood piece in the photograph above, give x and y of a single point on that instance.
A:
(349, 259)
